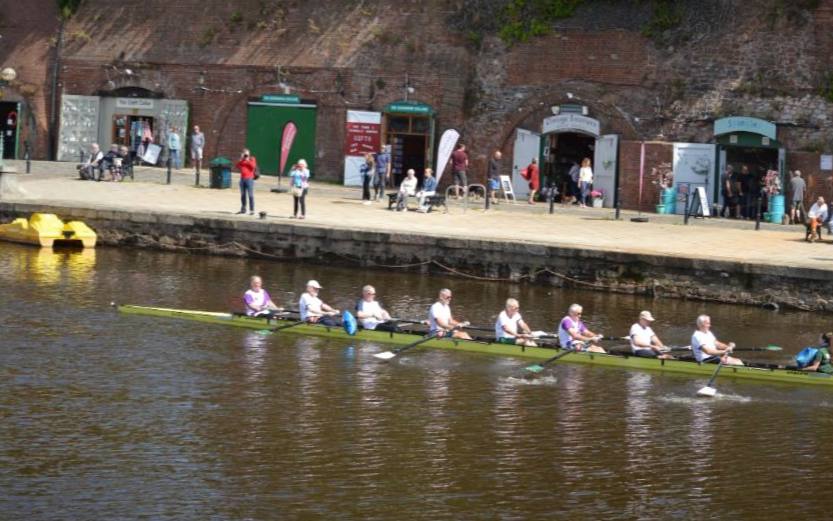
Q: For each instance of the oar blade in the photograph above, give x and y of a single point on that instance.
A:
(387, 355)
(707, 392)
(771, 347)
(537, 368)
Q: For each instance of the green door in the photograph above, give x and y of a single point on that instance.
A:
(264, 129)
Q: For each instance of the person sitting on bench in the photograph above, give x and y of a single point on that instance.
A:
(816, 216)
(406, 188)
(429, 188)
(87, 170)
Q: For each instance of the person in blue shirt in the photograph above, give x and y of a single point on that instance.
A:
(429, 188)
(383, 168)
(174, 146)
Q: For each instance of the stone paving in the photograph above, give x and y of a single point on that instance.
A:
(333, 206)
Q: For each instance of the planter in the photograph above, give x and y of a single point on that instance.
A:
(660, 208)
(598, 202)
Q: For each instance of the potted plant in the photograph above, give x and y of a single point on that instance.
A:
(663, 175)
(598, 198)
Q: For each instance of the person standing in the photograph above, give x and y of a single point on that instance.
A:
(459, 167)
(585, 181)
(573, 193)
(313, 310)
(533, 176)
(174, 146)
(707, 348)
(644, 342)
(197, 147)
(429, 188)
(493, 176)
(797, 188)
(299, 180)
(510, 327)
(383, 168)
(368, 169)
(257, 300)
(247, 165)
(440, 321)
(727, 191)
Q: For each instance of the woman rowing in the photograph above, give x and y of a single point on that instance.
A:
(510, 327)
(257, 300)
(371, 314)
(644, 342)
(707, 348)
(574, 335)
(821, 362)
(440, 321)
(313, 310)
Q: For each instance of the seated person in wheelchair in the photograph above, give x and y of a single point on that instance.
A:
(87, 170)
(816, 216)
(406, 188)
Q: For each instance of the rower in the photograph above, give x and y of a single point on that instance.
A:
(371, 314)
(821, 362)
(644, 342)
(440, 321)
(313, 310)
(707, 348)
(573, 334)
(510, 327)
(257, 300)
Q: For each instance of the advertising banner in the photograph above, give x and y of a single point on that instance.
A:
(444, 150)
(363, 135)
(287, 138)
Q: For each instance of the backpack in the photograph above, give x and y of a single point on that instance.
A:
(806, 356)
(525, 173)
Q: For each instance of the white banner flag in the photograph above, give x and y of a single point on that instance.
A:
(447, 142)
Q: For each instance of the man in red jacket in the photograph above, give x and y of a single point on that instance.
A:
(247, 166)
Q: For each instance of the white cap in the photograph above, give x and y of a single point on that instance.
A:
(647, 316)
(314, 284)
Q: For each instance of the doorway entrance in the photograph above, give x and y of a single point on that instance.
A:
(750, 165)
(9, 120)
(130, 131)
(565, 150)
(408, 137)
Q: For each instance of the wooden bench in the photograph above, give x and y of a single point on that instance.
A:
(432, 201)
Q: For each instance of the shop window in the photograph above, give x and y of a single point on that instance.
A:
(398, 124)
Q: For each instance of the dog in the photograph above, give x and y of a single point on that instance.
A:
(811, 234)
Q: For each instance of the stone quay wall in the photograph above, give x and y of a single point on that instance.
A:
(654, 275)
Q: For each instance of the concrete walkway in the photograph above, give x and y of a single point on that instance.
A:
(333, 206)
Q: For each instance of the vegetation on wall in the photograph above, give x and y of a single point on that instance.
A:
(67, 8)
(523, 19)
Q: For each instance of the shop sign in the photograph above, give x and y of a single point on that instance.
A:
(409, 107)
(826, 162)
(289, 99)
(134, 103)
(363, 133)
(571, 123)
(744, 124)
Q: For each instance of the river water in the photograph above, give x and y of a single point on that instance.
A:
(104, 416)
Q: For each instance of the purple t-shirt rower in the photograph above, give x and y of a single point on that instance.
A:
(568, 323)
(255, 300)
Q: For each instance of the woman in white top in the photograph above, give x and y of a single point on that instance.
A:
(313, 310)
(585, 181)
(440, 321)
(644, 342)
(707, 348)
(257, 300)
(510, 327)
(406, 188)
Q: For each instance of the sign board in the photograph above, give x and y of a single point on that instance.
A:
(281, 98)
(152, 153)
(699, 203)
(743, 124)
(826, 162)
(409, 107)
(363, 135)
(134, 103)
(571, 123)
(506, 187)
(605, 157)
(694, 163)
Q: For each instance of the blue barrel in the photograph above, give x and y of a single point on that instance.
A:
(669, 199)
(776, 209)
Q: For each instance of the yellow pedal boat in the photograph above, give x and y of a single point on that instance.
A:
(45, 229)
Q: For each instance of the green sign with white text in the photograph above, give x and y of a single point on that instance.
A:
(281, 98)
(409, 107)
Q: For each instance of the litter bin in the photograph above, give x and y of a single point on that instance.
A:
(220, 173)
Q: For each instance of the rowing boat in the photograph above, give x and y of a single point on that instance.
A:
(749, 372)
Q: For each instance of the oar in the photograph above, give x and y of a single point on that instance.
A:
(708, 390)
(387, 355)
(287, 326)
(769, 347)
(537, 368)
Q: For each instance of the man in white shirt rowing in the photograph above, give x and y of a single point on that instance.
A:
(440, 321)
(371, 314)
(257, 300)
(510, 327)
(644, 342)
(313, 310)
(707, 348)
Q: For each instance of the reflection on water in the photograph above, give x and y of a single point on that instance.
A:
(105, 416)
